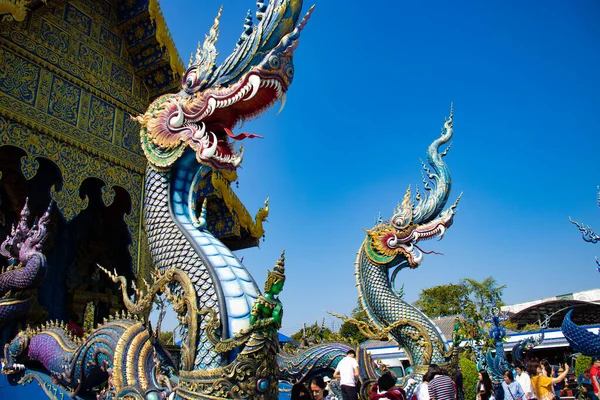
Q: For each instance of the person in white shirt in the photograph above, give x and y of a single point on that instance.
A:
(422, 391)
(347, 373)
(524, 381)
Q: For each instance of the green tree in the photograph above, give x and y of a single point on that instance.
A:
(166, 338)
(442, 301)
(469, 372)
(470, 298)
(313, 333)
(482, 293)
(582, 363)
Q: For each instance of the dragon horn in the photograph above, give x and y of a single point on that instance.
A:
(22, 226)
(207, 52)
(46, 217)
(248, 26)
(295, 34)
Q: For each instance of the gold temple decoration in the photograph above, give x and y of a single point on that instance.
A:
(223, 189)
(373, 332)
(14, 10)
(185, 305)
(164, 37)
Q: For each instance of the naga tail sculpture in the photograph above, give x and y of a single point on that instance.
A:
(228, 328)
(580, 338)
(311, 361)
(391, 246)
(26, 269)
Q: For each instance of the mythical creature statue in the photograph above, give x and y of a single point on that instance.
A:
(229, 330)
(318, 358)
(581, 340)
(391, 246)
(123, 351)
(496, 363)
(587, 233)
(522, 347)
(26, 270)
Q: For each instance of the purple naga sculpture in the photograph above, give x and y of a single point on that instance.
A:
(26, 269)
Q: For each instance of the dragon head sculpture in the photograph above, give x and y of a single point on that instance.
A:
(213, 100)
(416, 219)
(24, 240)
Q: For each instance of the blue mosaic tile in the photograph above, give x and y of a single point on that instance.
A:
(110, 40)
(90, 59)
(64, 100)
(102, 118)
(131, 134)
(54, 36)
(78, 19)
(19, 78)
(120, 77)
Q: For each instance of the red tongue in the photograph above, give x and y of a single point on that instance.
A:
(242, 135)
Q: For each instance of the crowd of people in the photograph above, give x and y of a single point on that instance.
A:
(538, 380)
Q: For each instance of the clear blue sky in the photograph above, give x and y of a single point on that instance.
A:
(373, 83)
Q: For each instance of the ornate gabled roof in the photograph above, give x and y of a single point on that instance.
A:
(150, 45)
(143, 26)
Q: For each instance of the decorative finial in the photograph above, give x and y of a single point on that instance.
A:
(403, 214)
(449, 124)
(261, 8)
(248, 26)
(207, 53)
(279, 267)
(23, 226)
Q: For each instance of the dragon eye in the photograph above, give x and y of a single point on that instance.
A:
(190, 81)
(274, 62)
(289, 72)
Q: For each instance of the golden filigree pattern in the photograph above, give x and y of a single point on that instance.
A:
(78, 19)
(55, 37)
(75, 166)
(418, 332)
(18, 77)
(185, 304)
(80, 138)
(91, 58)
(52, 391)
(68, 66)
(64, 100)
(110, 40)
(102, 118)
(234, 204)
(59, 67)
(164, 37)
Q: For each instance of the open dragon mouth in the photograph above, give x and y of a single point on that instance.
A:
(387, 242)
(207, 120)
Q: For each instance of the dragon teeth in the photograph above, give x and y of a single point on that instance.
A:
(199, 134)
(254, 81)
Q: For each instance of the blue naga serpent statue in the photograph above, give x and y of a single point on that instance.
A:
(391, 246)
(229, 329)
(580, 339)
